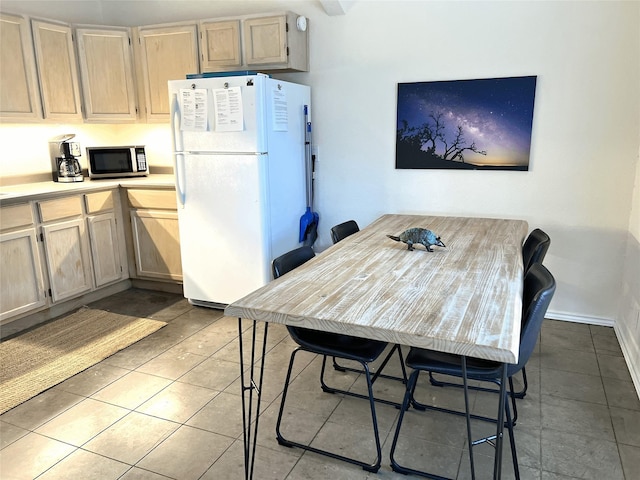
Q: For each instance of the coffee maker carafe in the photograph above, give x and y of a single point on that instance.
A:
(65, 166)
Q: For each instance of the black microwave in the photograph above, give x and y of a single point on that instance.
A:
(114, 162)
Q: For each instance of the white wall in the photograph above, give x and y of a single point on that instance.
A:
(585, 132)
(586, 128)
(628, 321)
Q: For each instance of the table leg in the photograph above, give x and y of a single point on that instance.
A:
(497, 465)
(465, 384)
(248, 390)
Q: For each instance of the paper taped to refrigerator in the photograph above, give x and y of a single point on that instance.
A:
(228, 105)
(193, 108)
(280, 111)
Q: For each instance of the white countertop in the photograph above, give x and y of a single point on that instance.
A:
(26, 190)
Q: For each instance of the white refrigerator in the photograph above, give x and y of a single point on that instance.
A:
(239, 153)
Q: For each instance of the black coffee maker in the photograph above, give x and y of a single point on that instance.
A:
(65, 166)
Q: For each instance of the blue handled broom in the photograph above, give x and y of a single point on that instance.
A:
(309, 220)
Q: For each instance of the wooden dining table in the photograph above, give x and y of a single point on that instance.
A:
(464, 298)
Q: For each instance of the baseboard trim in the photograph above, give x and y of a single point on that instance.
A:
(627, 353)
(159, 286)
(53, 311)
(571, 317)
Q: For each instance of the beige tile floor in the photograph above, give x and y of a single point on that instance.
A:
(169, 407)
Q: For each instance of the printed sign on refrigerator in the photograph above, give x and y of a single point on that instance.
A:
(193, 109)
(228, 105)
(280, 112)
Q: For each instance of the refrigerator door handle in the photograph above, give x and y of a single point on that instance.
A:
(178, 167)
(176, 140)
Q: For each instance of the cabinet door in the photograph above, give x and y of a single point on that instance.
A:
(265, 40)
(156, 242)
(21, 284)
(67, 258)
(106, 68)
(105, 251)
(57, 72)
(166, 53)
(220, 45)
(19, 94)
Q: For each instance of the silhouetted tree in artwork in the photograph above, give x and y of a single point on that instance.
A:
(421, 144)
(457, 147)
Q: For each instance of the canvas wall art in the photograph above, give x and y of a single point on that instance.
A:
(482, 124)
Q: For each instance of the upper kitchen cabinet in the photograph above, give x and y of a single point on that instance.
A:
(276, 42)
(106, 67)
(167, 52)
(57, 71)
(19, 94)
(220, 45)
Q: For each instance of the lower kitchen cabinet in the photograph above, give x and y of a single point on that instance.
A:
(155, 234)
(21, 281)
(67, 258)
(103, 236)
(57, 249)
(156, 242)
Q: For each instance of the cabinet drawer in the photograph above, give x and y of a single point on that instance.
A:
(60, 208)
(15, 216)
(155, 199)
(99, 201)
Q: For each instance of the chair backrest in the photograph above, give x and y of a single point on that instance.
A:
(343, 230)
(284, 264)
(539, 287)
(535, 248)
(290, 260)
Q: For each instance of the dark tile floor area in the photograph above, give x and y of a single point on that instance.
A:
(169, 407)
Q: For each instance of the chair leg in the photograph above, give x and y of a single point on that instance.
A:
(422, 407)
(493, 440)
(409, 399)
(439, 383)
(513, 401)
(395, 466)
(512, 440)
(279, 437)
(512, 394)
(376, 466)
(522, 392)
(369, 467)
(378, 373)
(326, 388)
(340, 368)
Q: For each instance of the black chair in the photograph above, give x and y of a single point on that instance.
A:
(340, 232)
(343, 230)
(539, 287)
(330, 344)
(534, 250)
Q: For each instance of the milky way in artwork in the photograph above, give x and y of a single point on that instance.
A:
(475, 124)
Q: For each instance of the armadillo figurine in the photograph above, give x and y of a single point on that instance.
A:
(418, 235)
